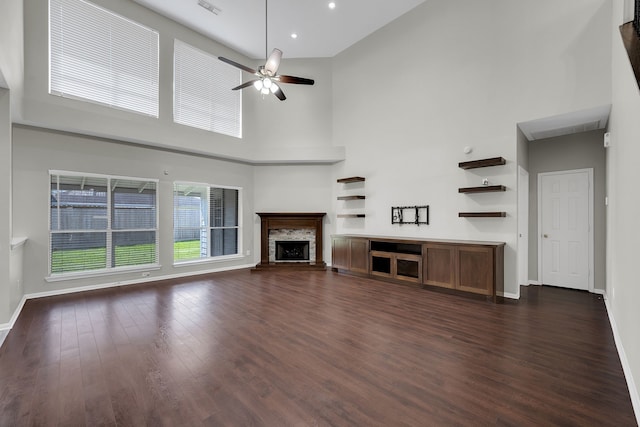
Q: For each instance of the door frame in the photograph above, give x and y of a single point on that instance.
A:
(590, 236)
(523, 222)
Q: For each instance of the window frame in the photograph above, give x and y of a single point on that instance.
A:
(208, 226)
(210, 116)
(155, 101)
(109, 230)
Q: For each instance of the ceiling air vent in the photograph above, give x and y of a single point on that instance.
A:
(210, 7)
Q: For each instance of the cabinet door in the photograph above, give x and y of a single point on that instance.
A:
(359, 255)
(381, 263)
(408, 267)
(340, 253)
(439, 265)
(476, 269)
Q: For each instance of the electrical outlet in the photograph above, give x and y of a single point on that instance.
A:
(248, 252)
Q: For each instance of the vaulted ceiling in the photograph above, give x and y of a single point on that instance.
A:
(321, 31)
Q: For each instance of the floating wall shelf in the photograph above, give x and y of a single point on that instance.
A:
(351, 179)
(351, 197)
(483, 163)
(482, 189)
(481, 214)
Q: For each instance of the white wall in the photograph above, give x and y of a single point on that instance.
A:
(281, 188)
(577, 151)
(37, 151)
(6, 308)
(623, 233)
(11, 77)
(301, 119)
(410, 97)
(12, 51)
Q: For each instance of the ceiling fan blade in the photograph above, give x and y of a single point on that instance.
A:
(246, 84)
(271, 67)
(235, 64)
(280, 94)
(294, 80)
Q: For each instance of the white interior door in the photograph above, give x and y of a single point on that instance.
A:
(523, 226)
(565, 206)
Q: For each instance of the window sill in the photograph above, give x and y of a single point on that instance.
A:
(98, 273)
(207, 260)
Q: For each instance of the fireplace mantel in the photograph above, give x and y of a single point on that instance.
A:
(291, 220)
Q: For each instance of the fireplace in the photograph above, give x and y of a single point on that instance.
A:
(292, 250)
(291, 240)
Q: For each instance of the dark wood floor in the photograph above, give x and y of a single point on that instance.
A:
(310, 349)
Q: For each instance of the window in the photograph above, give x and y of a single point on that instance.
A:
(99, 56)
(100, 222)
(206, 221)
(202, 92)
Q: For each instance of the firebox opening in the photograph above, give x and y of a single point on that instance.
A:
(292, 250)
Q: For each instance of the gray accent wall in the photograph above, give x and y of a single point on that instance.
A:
(577, 151)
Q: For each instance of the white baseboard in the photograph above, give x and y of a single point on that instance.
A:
(7, 326)
(508, 295)
(626, 368)
(14, 317)
(534, 283)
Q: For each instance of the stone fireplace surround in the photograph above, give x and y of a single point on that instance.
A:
(279, 225)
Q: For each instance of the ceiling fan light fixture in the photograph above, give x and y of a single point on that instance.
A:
(267, 75)
(271, 67)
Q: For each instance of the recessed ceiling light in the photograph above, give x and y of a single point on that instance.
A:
(294, 35)
(332, 5)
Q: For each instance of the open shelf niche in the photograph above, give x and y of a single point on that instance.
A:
(482, 163)
(350, 180)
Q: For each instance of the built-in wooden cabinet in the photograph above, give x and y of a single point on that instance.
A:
(350, 253)
(439, 266)
(467, 266)
(396, 260)
(475, 269)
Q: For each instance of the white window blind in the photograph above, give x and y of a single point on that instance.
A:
(206, 221)
(99, 56)
(101, 222)
(202, 91)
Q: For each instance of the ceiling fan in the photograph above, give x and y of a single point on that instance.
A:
(267, 78)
